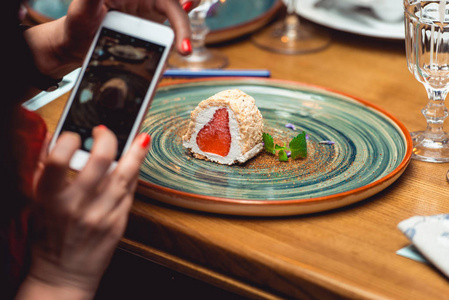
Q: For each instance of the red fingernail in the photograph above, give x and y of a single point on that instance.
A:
(187, 6)
(186, 46)
(144, 140)
(102, 127)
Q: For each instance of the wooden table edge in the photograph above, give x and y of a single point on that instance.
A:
(194, 270)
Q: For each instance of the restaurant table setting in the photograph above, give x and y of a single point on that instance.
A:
(365, 215)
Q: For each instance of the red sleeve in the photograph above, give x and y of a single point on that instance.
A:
(30, 135)
(29, 132)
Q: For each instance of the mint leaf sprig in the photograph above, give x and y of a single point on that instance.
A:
(297, 147)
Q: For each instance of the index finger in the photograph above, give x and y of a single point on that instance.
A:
(101, 157)
(181, 25)
(129, 164)
(123, 179)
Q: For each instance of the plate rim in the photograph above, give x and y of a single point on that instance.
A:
(216, 204)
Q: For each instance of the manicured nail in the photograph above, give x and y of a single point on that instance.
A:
(186, 46)
(187, 6)
(102, 127)
(144, 140)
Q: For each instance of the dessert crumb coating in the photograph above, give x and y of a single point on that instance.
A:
(246, 125)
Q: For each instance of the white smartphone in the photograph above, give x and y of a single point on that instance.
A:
(117, 82)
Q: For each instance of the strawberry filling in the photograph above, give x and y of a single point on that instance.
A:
(215, 136)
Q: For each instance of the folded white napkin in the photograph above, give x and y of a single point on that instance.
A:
(430, 235)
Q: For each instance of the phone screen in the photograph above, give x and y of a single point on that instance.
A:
(113, 87)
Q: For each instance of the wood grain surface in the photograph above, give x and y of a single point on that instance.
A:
(339, 254)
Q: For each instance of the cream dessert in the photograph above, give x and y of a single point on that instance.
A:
(225, 128)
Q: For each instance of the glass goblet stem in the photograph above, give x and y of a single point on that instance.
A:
(435, 112)
(291, 35)
(432, 144)
(291, 22)
(201, 57)
(199, 31)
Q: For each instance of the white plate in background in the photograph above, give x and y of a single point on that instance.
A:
(358, 21)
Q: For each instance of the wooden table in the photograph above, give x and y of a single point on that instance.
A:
(345, 253)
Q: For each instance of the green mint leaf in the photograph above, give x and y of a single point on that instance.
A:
(268, 143)
(298, 146)
(283, 156)
(277, 147)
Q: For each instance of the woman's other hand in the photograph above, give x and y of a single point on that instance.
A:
(61, 45)
(79, 220)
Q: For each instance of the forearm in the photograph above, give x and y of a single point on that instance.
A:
(51, 278)
(35, 289)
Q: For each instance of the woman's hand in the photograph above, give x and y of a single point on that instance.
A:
(84, 16)
(60, 46)
(79, 220)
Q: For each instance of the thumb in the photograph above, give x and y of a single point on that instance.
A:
(87, 8)
(85, 16)
(82, 21)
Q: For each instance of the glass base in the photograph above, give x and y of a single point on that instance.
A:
(306, 38)
(199, 59)
(427, 149)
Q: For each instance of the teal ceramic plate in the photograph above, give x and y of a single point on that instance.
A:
(230, 19)
(371, 150)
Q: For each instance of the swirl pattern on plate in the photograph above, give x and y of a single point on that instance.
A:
(368, 145)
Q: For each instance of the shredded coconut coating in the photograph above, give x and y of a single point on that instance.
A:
(248, 116)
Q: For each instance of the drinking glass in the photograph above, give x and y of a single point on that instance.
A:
(290, 35)
(427, 49)
(201, 57)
